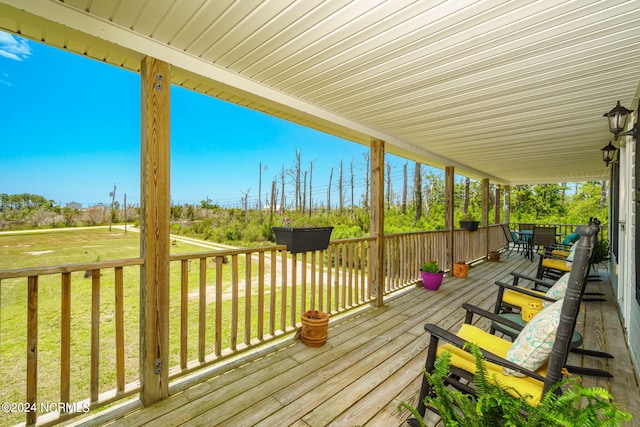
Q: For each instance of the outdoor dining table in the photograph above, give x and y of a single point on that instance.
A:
(527, 237)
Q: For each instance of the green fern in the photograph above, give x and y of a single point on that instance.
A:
(567, 404)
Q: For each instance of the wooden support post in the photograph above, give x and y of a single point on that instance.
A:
(154, 230)
(496, 208)
(449, 175)
(485, 212)
(507, 204)
(377, 220)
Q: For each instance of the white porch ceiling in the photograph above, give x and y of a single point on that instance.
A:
(513, 91)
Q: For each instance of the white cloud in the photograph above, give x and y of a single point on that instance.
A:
(14, 48)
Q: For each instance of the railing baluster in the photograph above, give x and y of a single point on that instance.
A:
(294, 286)
(218, 326)
(313, 268)
(321, 270)
(247, 299)
(202, 304)
(272, 297)
(234, 303)
(119, 296)
(32, 347)
(283, 292)
(260, 334)
(65, 338)
(95, 335)
(184, 312)
(303, 286)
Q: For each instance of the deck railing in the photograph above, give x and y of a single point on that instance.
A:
(85, 354)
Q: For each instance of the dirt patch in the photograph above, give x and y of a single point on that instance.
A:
(37, 252)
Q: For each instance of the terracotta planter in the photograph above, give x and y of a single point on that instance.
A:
(303, 239)
(460, 269)
(494, 256)
(314, 332)
(431, 281)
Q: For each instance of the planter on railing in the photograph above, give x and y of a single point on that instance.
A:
(303, 239)
(470, 225)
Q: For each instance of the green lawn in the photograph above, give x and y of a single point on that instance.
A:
(79, 246)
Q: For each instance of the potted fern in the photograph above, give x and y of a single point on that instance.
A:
(576, 406)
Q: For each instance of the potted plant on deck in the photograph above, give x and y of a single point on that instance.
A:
(431, 275)
(460, 269)
(315, 325)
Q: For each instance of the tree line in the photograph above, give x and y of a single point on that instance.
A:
(418, 204)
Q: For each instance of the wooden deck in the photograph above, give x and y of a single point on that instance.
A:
(370, 364)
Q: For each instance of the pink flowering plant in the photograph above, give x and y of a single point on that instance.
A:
(430, 267)
(313, 314)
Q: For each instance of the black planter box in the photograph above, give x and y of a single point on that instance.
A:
(303, 239)
(470, 225)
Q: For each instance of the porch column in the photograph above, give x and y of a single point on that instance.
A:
(377, 220)
(154, 230)
(496, 208)
(449, 174)
(507, 204)
(485, 212)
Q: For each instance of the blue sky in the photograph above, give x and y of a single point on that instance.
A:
(70, 130)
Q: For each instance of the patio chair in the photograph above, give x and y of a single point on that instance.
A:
(536, 368)
(542, 237)
(513, 240)
(553, 266)
(517, 304)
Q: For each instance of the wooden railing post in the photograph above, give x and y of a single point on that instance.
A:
(377, 220)
(485, 213)
(449, 174)
(154, 236)
(507, 204)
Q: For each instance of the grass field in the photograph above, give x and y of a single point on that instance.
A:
(79, 246)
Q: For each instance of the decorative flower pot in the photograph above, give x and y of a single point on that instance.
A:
(314, 332)
(460, 269)
(470, 225)
(494, 256)
(303, 239)
(431, 281)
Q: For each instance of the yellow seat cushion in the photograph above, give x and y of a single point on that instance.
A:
(498, 346)
(518, 299)
(558, 253)
(556, 264)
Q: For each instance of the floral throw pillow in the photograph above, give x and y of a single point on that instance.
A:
(558, 290)
(532, 348)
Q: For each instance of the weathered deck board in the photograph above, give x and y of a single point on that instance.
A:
(371, 363)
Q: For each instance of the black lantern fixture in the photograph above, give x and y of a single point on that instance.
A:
(634, 132)
(617, 119)
(608, 153)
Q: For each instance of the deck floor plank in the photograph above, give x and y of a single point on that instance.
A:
(372, 362)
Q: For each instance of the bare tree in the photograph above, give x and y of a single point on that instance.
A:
(404, 188)
(329, 192)
(310, 187)
(417, 191)
(352, 184)
(245, 202)
(603, 194)
(387, 180)
(297, 172)
(467, 194)
(365, 203)
(283, 174)
(303, 202)
(341, 189)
